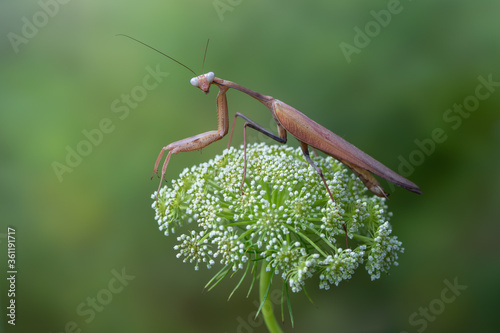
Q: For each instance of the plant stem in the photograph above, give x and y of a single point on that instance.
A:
(264, 291)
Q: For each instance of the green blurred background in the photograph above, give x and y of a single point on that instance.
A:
(75, 230)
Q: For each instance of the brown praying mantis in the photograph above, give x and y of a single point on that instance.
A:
(287, 119)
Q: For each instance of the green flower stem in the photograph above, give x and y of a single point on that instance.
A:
(267, 309)
(365, 239)
(307, 239)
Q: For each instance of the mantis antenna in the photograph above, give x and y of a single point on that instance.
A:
(180, 63)
(203, 65)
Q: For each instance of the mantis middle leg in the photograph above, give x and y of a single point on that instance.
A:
(252, 124)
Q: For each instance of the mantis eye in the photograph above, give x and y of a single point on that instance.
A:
(194, 81)
(210, 76)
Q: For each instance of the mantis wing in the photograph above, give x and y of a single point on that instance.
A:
(315, 135)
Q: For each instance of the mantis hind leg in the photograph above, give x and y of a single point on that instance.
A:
(305, 151)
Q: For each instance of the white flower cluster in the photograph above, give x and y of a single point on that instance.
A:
(384, 251)
(285, 216)
(340, 266)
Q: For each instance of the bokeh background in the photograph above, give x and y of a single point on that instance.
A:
(75, 230)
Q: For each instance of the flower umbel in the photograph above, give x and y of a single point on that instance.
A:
(284, 217)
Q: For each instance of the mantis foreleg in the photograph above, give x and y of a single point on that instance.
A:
(199, 141)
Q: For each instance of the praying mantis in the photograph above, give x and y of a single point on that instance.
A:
(288, 120)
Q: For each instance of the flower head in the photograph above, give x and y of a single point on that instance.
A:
(284, 217)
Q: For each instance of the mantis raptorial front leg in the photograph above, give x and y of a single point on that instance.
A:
(199, 141)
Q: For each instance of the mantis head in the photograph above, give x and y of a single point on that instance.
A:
(203, 81)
